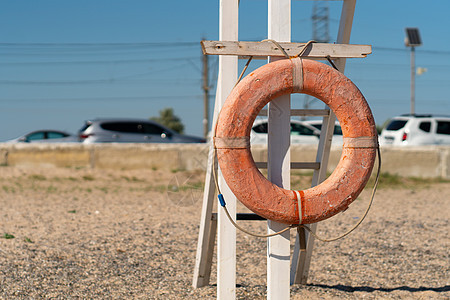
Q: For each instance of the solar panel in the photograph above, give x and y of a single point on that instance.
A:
(413, 37)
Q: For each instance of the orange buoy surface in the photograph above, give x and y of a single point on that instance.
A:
(233, 147)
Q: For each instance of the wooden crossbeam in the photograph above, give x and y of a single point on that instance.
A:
(242, 217)
(258, 49)
(302, 112)
(294, 165)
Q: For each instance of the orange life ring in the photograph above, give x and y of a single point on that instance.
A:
(233, 146)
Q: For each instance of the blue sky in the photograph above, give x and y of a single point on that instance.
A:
(62, 62)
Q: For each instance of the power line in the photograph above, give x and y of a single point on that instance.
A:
(109, 45)
(100, 81)
(61, 49)
(115, 98)
(122, 61)
(442, 52)
(364, 64)
(111, 80)
(158, 45)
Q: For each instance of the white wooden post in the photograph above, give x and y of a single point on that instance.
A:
(278, 247)
(345, 29)
(208, 227)
(305, 242)
(226, 244)
(279, 112)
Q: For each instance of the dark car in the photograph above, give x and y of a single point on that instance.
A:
(131, 131)
(46, 136)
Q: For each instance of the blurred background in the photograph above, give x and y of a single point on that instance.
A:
(64, 62)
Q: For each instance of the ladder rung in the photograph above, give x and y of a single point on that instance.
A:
(294, 165)
(243, 217)
(305, 165)
(310, 112)
(249, 217)
(302, 112)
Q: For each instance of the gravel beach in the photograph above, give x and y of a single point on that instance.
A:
(109, 234)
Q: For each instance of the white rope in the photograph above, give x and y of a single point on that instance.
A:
(294, 225)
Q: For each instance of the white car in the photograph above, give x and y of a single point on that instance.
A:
(301, 133)
(415, 130)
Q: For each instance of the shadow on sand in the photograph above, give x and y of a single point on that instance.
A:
(368, 289)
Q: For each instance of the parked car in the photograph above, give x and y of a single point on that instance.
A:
(131, 131)
(337, 133)
(301, 133)
(46, 136)
(416, 130)
(318, 125)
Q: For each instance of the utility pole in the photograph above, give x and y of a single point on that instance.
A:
(320, 19)
(413, 81)
(321, 33)
(205, 95)
(413, 40)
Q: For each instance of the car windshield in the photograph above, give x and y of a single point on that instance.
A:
(297, 129)
(337, 128)
(396, 125)
(130, 127)
(260, 128)
(85, 126)
(425, 126)
(443, 127)
(55, 135)
(36, 136)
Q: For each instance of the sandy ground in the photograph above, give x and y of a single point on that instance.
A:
(103, 234)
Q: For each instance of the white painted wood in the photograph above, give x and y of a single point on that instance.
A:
(301, 259)
(226, 241)
(207, 232)
(304, 244)
(279, 111)
(278, 262)
(298, 255)
(313, 51)
(278, 247)
(208, 226)
(345, 29)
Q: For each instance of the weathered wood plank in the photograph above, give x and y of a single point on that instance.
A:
(314, 50)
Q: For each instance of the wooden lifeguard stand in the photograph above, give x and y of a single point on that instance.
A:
(281, 271)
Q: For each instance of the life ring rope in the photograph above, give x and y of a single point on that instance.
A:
(244, 142)
(360, 142)
(238, 168)
(354, 139)
(318, 237)
(232, 142)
